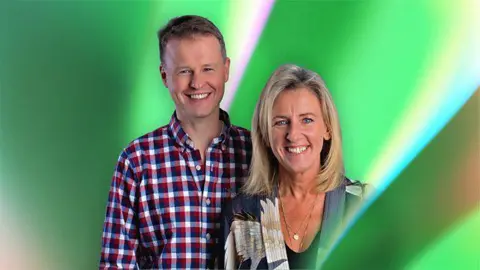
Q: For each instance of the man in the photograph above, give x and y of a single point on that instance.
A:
(169, 185)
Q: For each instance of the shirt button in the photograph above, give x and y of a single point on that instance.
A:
(198, 167)
(207, 201)
(208, 236)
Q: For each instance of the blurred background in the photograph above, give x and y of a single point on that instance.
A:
(79, 80)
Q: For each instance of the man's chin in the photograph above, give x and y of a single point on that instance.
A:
(200, 115)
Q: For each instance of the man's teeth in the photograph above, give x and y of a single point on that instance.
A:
(198, 96)
(296, 150)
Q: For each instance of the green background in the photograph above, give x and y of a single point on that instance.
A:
(79, 80)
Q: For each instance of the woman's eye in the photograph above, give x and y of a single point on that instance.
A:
(307, 120)
(281, 123)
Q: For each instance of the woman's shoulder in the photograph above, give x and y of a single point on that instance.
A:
(241, 205)
(357, 188)
(357, 193)
(244, 201)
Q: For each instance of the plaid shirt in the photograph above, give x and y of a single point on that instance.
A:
(164, 204)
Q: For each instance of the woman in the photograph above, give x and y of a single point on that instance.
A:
(296, 198)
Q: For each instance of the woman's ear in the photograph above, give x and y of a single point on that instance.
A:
(326, 136)
(267, 142)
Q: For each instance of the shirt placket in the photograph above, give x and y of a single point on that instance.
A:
(195, 165)
(209, 203)
(205, 203)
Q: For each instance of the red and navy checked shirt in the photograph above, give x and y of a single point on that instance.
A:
(164, 204)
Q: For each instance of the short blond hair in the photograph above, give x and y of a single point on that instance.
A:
(264, 166)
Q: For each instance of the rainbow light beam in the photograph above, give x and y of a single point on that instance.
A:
(247, 20)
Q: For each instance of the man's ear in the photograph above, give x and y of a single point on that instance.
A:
(163, 74)
(227, 69)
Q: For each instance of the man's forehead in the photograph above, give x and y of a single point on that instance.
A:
(191, 40)
(182, 51)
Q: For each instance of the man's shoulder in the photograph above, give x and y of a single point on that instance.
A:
(152, 140)
(240, 133)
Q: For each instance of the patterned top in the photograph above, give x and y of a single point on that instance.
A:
(164, 204)
(252, 234)
(305, 259)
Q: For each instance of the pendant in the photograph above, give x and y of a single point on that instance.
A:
(295, 236)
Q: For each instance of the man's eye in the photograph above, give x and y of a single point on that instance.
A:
(185, 71)
(208, 69)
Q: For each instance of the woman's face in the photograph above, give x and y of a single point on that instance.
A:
(298, 131)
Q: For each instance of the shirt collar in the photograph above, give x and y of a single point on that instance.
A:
(184, 141)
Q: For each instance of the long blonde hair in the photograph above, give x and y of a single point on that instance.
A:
(264, 166)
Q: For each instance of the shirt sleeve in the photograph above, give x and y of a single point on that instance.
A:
(120, 237)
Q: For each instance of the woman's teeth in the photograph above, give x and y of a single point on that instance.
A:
(296, 150)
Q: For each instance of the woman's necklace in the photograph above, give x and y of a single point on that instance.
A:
(296, 237)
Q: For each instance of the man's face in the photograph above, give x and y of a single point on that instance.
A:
(195, 73)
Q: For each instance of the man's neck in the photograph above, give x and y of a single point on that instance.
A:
(202, 130)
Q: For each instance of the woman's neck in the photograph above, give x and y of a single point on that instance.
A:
(297, 185)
